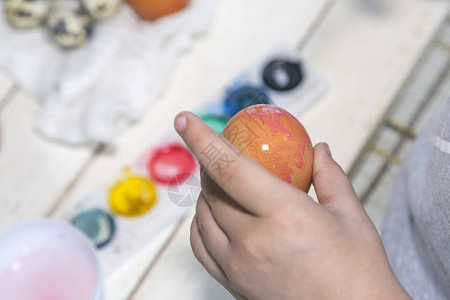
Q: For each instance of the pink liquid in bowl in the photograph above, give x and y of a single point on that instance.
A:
(49, 274)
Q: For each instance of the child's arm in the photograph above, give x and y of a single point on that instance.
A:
(262, 238)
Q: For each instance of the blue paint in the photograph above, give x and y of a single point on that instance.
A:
(98, 225)
(242, 97)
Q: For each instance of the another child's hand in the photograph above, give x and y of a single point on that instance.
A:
(262, 238)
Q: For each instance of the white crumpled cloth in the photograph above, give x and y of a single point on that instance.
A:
(90, 94)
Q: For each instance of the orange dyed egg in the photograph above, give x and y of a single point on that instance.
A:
(276, 139)
(154, 9)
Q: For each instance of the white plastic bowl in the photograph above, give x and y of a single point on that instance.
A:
(38, 236)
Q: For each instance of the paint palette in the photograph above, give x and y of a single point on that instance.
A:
(158, 187)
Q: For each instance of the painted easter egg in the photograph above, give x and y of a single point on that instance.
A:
(155, 9)
(276, 139)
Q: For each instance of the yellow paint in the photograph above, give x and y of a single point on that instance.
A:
(132, 196)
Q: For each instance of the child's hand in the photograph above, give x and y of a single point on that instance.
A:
(262, 238)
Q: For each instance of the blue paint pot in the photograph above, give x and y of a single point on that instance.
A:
(242, 97)
(98, 225)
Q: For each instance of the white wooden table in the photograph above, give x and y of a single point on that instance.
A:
(365, 48)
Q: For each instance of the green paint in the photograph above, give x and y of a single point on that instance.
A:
(216, 122)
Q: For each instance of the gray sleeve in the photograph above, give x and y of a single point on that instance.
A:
(416, 229)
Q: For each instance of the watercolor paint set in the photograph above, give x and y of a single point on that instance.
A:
(157, 188)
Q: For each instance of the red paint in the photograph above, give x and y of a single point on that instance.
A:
(170, 161)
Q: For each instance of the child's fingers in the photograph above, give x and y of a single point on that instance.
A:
(332, 186)
(229, 215)
(214, 238)
(208, 261)
(204, 257)
(246, 181)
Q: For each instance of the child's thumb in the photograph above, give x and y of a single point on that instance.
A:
(332, 186)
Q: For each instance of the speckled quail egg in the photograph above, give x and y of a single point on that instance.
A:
(69, 28)
(26, 13)
(101, 9)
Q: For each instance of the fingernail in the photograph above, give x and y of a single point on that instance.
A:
(180, 122)
(327, 148)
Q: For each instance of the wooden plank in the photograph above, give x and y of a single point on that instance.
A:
(366, 56)
(124, 281)
(5, 86)
(33, 172)
(178, 275)
(242, 33)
